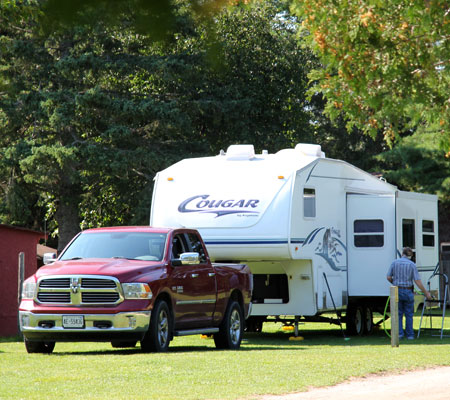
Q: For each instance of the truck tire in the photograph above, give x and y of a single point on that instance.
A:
(39, 347)
(231, 328)
(354, 320)
(158, 336)
(368, 320)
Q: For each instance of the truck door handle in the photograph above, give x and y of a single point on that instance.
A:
(211, 274)
(194, 275)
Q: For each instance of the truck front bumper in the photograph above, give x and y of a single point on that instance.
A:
(95, 327)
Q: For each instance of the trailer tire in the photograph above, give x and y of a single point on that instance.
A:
(39, 347)
(368, 320)
(355, 320)
(158, 336)
(231, 328)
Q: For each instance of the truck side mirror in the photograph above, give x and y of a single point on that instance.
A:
(49, 258)
(186, 259)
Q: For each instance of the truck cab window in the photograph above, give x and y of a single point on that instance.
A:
(309, 203)
(177, 246)
(196, 246)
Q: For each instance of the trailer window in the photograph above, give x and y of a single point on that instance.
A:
(309, 203)
(428, 233)
(408, 231)
(368, 233)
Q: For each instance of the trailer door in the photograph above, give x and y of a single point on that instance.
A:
(370, 243)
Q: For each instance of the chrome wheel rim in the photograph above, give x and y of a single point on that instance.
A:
(235, 326)
(163, 328)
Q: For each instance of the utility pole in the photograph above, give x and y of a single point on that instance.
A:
(20, 284)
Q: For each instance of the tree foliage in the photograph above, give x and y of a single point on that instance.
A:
(156, 19)
(416, 164)
(91, 108)
(79, 125)
(254, 88)
(385, 64)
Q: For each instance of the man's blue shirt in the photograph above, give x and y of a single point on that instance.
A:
(404, 272)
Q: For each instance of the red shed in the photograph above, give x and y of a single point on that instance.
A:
(14, 240)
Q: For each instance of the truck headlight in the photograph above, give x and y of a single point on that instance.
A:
(28, 290)
(136, 291)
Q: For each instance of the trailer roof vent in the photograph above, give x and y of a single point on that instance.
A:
(313, 150)
(238, 152)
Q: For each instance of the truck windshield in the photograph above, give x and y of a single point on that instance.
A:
(130, 245)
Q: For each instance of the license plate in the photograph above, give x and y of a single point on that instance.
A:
(73, 321)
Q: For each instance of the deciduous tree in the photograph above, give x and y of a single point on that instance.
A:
(385, 64)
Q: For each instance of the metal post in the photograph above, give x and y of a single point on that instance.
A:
(394, 316)
(20, 283)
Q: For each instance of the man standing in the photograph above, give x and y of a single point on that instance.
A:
(403, 273)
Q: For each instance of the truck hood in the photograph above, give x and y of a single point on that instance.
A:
(122, 269)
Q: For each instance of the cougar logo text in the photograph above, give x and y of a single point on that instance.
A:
(205, 205)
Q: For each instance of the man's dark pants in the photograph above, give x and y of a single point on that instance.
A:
(406, 307)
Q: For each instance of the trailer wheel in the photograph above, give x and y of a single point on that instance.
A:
(368, 320)
(355, 320)
(157, 338)
(231, 329)
(39, 347)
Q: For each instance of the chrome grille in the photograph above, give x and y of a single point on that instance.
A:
(79, 290)
(55, 283)
(54, 297)
(97, 283)
(99, 297)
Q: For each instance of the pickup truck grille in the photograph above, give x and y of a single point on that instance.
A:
(97, 283)
(100, 297)
(55, 283)
(79, 290)
(54, 297)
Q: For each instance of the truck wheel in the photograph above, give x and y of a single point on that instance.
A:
(368, 320)
(231, 329)
(39, 347)
(157, 338)
(355, 320)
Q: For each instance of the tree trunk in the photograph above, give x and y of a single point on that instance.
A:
(444, 222)
(68, 221)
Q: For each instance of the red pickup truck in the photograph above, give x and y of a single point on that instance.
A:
(129, 284)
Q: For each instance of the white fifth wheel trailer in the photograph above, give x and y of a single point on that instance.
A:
(318, 234)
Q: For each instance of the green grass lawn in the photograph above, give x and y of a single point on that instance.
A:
(193, 369)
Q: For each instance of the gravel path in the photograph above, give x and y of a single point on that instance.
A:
(429, 384)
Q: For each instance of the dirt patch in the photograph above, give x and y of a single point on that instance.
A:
(430, 384)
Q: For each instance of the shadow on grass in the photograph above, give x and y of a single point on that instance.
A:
(273, 340)
(279, 341)
(176, 349)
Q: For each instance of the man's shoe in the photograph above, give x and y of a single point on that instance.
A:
(410, 338)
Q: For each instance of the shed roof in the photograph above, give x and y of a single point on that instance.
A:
(19, 228)
(41, 250)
